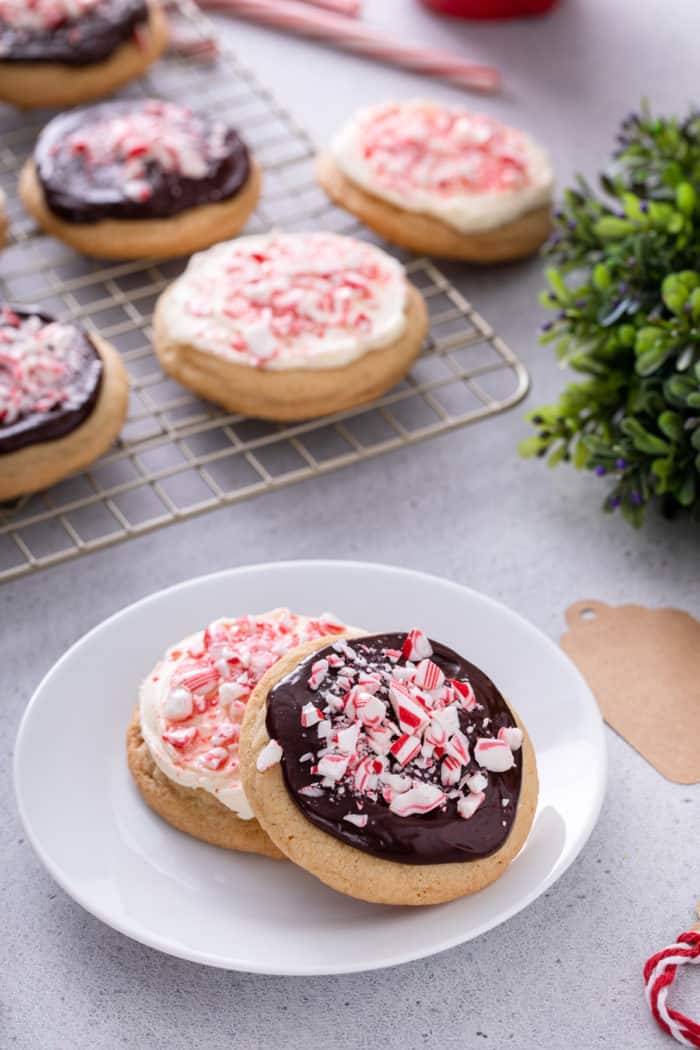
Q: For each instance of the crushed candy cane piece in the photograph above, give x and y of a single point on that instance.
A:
(512, 736)
(405, 748)
(422, 798)
(358, 819)
(467, 806)
(180, 738)
(310, 715)
(410, 715)
(494, 755)
(178, 704)
(319, 670)
(428, 675)
(416, 646)
(270, 755)
(458, 747)
(465, 692)
(450, 771)
(214, 758)
(333, 766)
(477, 783)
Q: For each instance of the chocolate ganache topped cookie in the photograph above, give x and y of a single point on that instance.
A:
(137, 160)
(72, 32)
(398, 746)
(50, 378)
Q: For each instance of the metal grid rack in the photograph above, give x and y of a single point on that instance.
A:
(177, 455)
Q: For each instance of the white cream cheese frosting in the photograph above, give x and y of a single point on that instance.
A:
(466, 169)
(192, 704)
(289, 301)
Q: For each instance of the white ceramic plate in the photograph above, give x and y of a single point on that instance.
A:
(114, 856)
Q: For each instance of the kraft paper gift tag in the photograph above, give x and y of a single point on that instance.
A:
(643, 666)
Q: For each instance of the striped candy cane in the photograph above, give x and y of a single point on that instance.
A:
(659, 974)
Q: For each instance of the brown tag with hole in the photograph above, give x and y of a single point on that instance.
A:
(643, 666)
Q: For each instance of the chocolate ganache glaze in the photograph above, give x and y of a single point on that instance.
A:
(50, 378)
(137, 160)
(43, 32)
(363, 805)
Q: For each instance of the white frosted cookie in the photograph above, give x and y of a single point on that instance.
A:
(63, 52)
(290, 326)
(183, 740)
(441, 180)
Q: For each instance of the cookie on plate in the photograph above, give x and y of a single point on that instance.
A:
(441, 181)
(63, 52)
(182, 741)
(390, 767)
(63, 399)
(290, 326)
(127, 180)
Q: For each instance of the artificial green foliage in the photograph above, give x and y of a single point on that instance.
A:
(625, 286)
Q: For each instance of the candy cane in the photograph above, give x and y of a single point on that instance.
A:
(660, 973)
(351, 35)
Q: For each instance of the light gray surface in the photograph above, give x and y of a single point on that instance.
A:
(567, 971)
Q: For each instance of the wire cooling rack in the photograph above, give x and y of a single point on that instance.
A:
(177, 455)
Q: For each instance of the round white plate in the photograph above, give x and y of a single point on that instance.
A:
(114, 856)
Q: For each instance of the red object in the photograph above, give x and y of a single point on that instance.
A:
(490, 8)
(659, 975)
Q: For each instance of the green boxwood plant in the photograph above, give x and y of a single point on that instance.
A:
(625, 285)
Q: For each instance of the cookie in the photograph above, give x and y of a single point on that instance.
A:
(290, 326)
(182, 741)
(389, 767)
(441, 181)
(63, 52)
(128, 180)
(63, 399)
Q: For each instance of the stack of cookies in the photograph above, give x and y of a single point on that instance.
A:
(387, 765)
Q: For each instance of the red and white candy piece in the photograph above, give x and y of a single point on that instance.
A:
(511, 736)
(422, 798)
(214, 758)
(225, 733)
(370, 709)
(178, 704)
(405, 748)
(333, 767)
(416, 646)
(319, 670)
(467, 806)
(346, 739)
(358, 819)
(200, 680)
(367, 773)
(465, 693)
(458, 747)
(450, 771)
(410, 715)
(494, 755)
(310, 715)
(477, 783)
(428, 675)
(269, 756)
(180, 738)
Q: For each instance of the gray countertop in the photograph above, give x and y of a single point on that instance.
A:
(567, 971)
